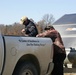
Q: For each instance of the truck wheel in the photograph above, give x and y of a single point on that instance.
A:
(26, 69)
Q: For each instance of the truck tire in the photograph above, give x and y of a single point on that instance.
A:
(26, 69)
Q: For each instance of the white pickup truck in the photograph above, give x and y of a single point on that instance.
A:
(33, 55)
(25, 55)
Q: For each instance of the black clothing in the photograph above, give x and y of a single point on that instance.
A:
(59, 55)
(58, 64)
(57, 49)
(58, 69)
(31, 29)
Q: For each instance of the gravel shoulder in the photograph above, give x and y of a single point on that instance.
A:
(70, 71)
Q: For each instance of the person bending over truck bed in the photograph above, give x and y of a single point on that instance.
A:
(59, 49)
(30, 27)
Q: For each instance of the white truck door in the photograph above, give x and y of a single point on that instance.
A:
(1, 53)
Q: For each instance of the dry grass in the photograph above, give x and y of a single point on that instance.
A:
(69, 73)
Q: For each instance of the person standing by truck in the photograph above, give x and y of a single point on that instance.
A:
(30, 28)
(59, 49)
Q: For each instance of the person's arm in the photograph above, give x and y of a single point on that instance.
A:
(33, 31)
(47, 33)
(23, 32)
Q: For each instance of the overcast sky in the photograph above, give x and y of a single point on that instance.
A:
(12, 10)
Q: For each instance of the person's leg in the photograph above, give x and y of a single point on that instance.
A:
(58, 60)
(58, 69)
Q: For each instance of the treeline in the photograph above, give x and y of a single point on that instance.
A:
(15, 29)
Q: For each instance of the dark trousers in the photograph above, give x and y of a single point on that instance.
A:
(58, 64)
(58, 69)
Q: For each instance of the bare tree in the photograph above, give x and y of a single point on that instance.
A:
(48, 19)
(41, 25)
